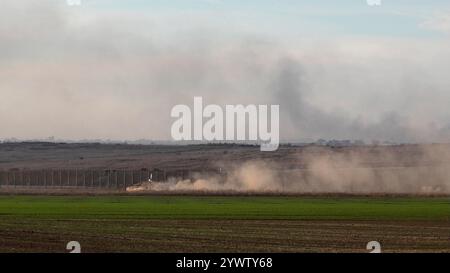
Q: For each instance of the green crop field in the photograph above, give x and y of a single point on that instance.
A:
(213, 223)
(187, 207)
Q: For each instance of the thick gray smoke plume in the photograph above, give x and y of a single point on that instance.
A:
(86, 73)
(290, 87)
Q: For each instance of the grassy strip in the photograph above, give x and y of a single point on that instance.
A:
(207, 207)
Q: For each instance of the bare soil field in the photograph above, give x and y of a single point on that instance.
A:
(410, 169)
(36, 155)
(223, 235)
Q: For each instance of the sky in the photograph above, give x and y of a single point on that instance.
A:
(113, 69)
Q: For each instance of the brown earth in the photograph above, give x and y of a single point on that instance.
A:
(37, 156)
(223, 235)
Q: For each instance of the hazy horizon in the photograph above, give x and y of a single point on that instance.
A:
(111, 69)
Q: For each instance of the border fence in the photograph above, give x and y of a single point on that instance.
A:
(87, 178)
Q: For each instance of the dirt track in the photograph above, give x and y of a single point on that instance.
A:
(80, 191)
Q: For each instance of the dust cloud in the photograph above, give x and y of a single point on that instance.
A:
(362, 171)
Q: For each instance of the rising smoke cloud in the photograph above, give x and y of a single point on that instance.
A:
(97, 74)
